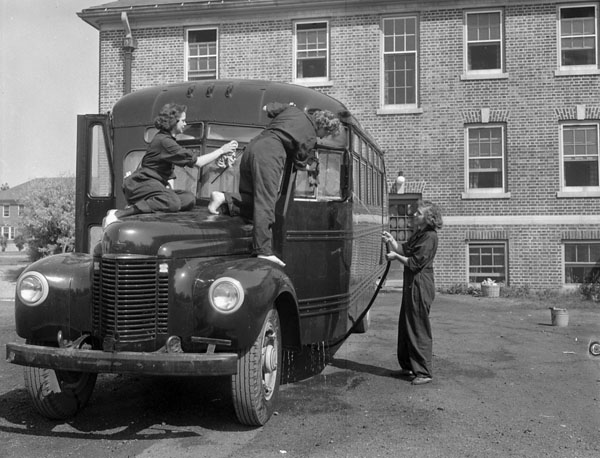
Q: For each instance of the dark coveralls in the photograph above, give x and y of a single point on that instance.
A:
(291, 132)
(146, 188)
(414, 330)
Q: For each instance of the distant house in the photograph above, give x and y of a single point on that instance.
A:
(12, 205)
(489, 108)
(11, 209)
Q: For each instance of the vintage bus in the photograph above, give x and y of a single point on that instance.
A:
(179, 293)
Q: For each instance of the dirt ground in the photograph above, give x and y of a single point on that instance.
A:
(507, 384)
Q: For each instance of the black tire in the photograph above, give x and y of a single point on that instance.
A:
(255, 387)
(58, 395)
(595, 348)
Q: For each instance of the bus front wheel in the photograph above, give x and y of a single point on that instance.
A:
(255, 387)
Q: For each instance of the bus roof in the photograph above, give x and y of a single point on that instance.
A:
(222, 101)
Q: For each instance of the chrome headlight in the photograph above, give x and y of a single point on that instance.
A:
(32, 288)
(226, 294)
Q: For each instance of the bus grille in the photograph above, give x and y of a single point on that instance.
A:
(131, 299)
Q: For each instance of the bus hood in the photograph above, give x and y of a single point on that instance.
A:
(195, 233)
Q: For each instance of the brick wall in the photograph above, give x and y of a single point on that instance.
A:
(430, 145)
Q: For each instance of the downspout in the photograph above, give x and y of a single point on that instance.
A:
(129, 45)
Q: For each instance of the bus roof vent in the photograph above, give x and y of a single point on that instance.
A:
(209, 90)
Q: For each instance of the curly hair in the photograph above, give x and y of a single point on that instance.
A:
(432, 213)
(326, 120)
(169, 116)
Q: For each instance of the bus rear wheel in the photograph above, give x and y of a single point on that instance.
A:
(255, 387)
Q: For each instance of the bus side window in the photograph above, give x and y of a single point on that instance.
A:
(327, 184)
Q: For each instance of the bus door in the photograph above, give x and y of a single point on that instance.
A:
(94, 172)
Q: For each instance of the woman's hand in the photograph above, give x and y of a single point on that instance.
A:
(390, 240)
(230, 147)
(392, 255)
(387, 237)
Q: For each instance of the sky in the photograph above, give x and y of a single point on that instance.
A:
(48, 75)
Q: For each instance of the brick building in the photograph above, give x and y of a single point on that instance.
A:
(493, 107)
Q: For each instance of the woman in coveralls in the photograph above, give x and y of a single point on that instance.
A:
(414, 329)
(147, 189)
(292, 132)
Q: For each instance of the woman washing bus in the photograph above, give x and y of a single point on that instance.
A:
(292, 132)
(414, 329)
(147, 189)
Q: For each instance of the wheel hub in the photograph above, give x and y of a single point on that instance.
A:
(270, 359)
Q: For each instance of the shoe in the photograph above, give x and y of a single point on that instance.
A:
(402, 373)
(110, 218)
(421, 380)
(272, 258)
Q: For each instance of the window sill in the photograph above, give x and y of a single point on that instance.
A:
(317, 83)
(577, 72)
(483, 76)
(577, 194)
(399, 110)
(485, 195)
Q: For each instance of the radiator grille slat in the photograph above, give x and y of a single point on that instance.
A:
(131, 299)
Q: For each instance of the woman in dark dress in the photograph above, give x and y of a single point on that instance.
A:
(418, 291)
(147, 189)
(291, 133)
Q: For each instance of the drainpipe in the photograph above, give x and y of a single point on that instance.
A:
(129, 45)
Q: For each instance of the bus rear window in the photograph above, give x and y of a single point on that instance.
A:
(193, 134)
(242, 134)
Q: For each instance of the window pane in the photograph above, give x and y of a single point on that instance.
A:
(400, 61)
(487, 261)
(400, 79)
(311, 50)
(484, 41)
(486, 158)
(202, 54)
(100, 182)
(484, 56)
(582, 262)
(580, 155)
(578, 36)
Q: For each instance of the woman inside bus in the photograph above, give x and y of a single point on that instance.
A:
(414, 329)
(147, 189)
(292, 132)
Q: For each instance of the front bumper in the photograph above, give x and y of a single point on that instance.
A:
(70, 359)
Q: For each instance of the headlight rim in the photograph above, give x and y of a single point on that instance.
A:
(240, 292)
(45, 288)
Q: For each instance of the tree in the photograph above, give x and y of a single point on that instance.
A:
(48, 221)
(3, 242)
(4, 187)
(19, 242)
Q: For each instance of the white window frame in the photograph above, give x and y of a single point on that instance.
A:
(187, 52)
(396, 107)
(578, 189)
(583, 264)
(6, 211)
(577, 68)
(8, 232)
(484, 244)
(312, 81)
(21, 210)
(494, 72)
(499, 192)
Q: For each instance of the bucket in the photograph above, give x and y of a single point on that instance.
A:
(490, 290)
(560, 317)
